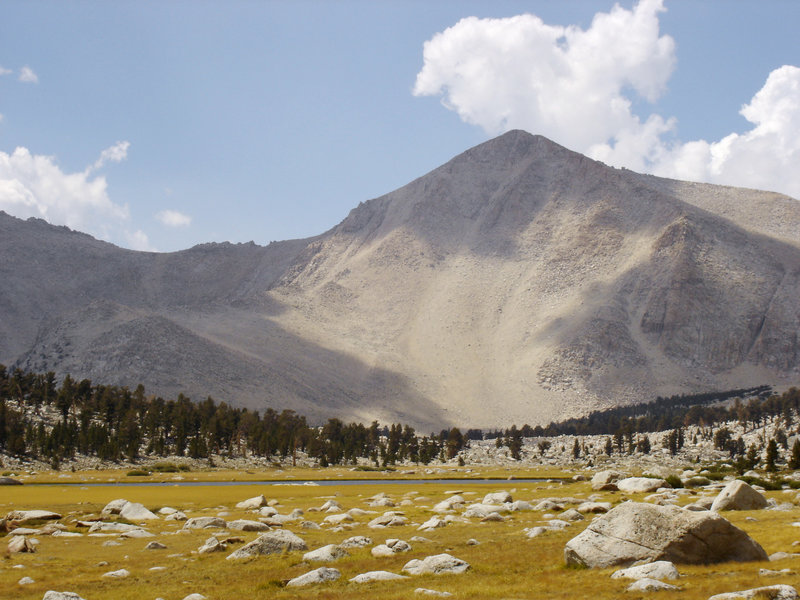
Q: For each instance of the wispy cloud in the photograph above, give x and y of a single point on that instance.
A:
(577, 87)
(173, 218)
(116, 153)
(5, 71)
(27, 75)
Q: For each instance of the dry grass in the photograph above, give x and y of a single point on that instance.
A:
(505, 564)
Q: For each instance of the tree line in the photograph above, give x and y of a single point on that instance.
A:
(114, 423)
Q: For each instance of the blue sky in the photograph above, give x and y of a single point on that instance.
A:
(160, 125)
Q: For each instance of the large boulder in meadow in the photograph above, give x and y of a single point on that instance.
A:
(738, 495)
(9, 481)
(19, 543)
(606, 480)
(636, 485)
(501, 497)
(272, 542)
(135, 512)
(328, 553)
(114, 507)
(25, 516)
(636, 531)
(252, 503)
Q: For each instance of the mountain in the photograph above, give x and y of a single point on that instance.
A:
(518, 283)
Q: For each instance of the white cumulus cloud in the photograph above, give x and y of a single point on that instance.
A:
(173, 218)
(36, 186)
(577, 87)
(562, 82)
(27, 75)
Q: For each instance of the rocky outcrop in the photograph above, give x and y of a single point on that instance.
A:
(636, 531)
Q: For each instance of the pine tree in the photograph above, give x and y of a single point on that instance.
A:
(794, 460)
(772, 455)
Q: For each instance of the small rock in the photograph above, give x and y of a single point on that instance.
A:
(155, 546)
(436, 564)
(772, 592)
(51, 595)
(26, 581)
(376, 576)
(119, 574)
(427, 592)
(205, 523)
(358, 541)
(252, 503)
(660, 569)
(650, 585)
(316, 576)
(212, 544)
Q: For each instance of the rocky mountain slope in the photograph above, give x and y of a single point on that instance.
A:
(519, 282)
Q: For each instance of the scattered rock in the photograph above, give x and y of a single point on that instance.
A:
(19, 543)
(772, 592)
(636, 531)
(436, 564)
(23, 516)
(51, 595)
(205, 523)
(25, 581)
(252, 503)
(649, 585)
(316, 576)
(660, 569)
(427, 592)
(501, 497)
(114, 507)
(738, 495)
(594, 507)
(119, 574)
(155, 546)
(635, 485)
(246, 525)
(135, 512)
(358, 541)
(9, 481)
(272, 542)
(376, 576)
(390, 548)
(328, 553)
(606, 480)
(212, 544)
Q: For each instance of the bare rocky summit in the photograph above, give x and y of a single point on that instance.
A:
(519, 282)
